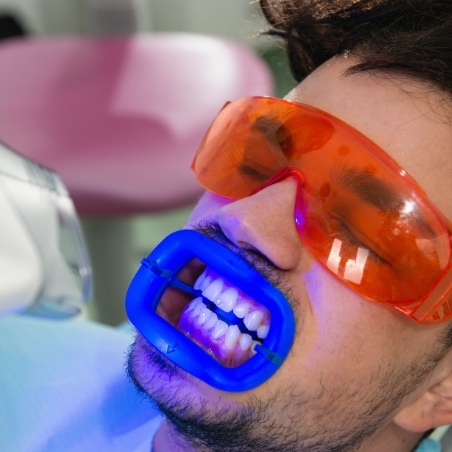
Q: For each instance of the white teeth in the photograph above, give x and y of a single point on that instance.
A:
(200, 279)
(204, 315)
(232, 337)
(227, 300)
(213, 290)
(262, 331)
(197, 306)
(253, 321)
(205, 283)
(245, 341)
(241, 310)
(192, 304)
(219, 330)
(211, 321)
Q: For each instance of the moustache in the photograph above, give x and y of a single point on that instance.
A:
(252, 256)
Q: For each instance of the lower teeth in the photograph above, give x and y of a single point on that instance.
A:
(218, 326)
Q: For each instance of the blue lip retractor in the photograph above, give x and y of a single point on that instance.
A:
(159, 271)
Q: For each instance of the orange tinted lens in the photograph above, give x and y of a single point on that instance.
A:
(359, 214)
(245, 146)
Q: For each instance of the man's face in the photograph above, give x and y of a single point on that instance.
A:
(354, 364)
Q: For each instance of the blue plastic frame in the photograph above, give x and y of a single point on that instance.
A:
(159, 270)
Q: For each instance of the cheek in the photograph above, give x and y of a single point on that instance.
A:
(335, 308)
(344, 331)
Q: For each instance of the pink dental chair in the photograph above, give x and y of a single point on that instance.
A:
(119, 119)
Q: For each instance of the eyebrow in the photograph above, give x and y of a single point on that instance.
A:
(378, 193)
(369, 188)
(255, 171)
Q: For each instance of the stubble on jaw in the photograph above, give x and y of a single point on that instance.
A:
(337, 415)
(333, 419)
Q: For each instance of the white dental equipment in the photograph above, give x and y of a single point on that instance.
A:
(44, 264)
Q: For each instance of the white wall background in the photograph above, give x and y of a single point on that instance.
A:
(235, 19)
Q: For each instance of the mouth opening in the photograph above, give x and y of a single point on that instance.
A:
(219, 317)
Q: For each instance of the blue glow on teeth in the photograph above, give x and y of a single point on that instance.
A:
(229, 318)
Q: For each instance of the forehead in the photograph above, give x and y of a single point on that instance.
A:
(408, 119)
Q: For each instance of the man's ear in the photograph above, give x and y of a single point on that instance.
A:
(432, 409)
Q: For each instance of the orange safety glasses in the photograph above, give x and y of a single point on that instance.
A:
(357, 211)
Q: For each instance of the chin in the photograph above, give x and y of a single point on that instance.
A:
(165, 382)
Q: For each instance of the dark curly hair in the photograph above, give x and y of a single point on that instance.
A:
(410, 36)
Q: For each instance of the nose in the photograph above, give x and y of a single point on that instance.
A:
(264, 222)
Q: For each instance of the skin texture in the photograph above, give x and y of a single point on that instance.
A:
(360, 376)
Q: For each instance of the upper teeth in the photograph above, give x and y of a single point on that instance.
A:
(228, 299)
(241, 310)
(213, 289)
